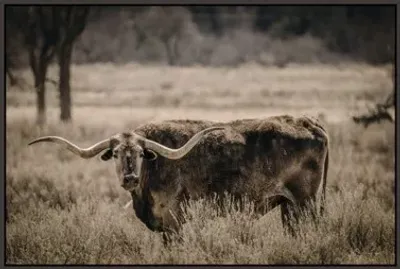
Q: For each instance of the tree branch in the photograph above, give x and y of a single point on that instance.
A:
(76, 22)
(378, 114)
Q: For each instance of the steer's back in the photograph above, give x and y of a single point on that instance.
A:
(250, 155)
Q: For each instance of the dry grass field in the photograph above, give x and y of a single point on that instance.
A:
(66, 210)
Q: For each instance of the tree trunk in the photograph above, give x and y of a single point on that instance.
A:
(11, 77)
(9, 72)
(40, 80)
(64, 61)
(175, 48)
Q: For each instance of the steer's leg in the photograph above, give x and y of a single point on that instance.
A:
(290, 216)
(293, 213)
(310, 208)
(268, 203)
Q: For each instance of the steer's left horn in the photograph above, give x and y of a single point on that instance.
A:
(175, 154)
(82, 152)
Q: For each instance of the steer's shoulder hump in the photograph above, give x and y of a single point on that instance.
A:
(285, 126)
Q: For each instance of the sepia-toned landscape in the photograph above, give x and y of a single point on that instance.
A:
(62, 209)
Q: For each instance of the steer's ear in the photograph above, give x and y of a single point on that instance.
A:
(107, 155)
(109, 152)
(149, 155)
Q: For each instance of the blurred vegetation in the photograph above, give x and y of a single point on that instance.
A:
(350, 29)
(230, 35)
(190, 35)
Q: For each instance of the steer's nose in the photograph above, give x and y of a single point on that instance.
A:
(129, 179)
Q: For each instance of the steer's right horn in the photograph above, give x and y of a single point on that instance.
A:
(175, 154)
(85, 153)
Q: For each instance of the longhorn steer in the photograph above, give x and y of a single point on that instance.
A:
(279, 160)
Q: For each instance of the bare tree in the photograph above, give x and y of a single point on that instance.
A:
(9, 70)
(72, 23)
(47, 31)
(12, 48)
(380, 111)
(374, 116)
(38, 25)
(41, 39)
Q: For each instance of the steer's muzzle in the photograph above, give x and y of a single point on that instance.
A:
(130, 181)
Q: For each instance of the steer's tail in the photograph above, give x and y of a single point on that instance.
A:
(323, 191)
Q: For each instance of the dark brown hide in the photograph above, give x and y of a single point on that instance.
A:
(275, 161)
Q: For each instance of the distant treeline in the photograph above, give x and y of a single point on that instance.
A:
(343, 28)
(363, 31)
(123, 33)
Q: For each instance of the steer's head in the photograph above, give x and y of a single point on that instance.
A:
(128, 150)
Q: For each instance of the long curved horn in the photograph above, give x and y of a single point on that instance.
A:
(85, 153)
(175, 154)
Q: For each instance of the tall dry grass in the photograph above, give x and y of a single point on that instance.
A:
(65, 210)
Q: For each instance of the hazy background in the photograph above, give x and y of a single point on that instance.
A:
(232, 35)
(131, 65)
